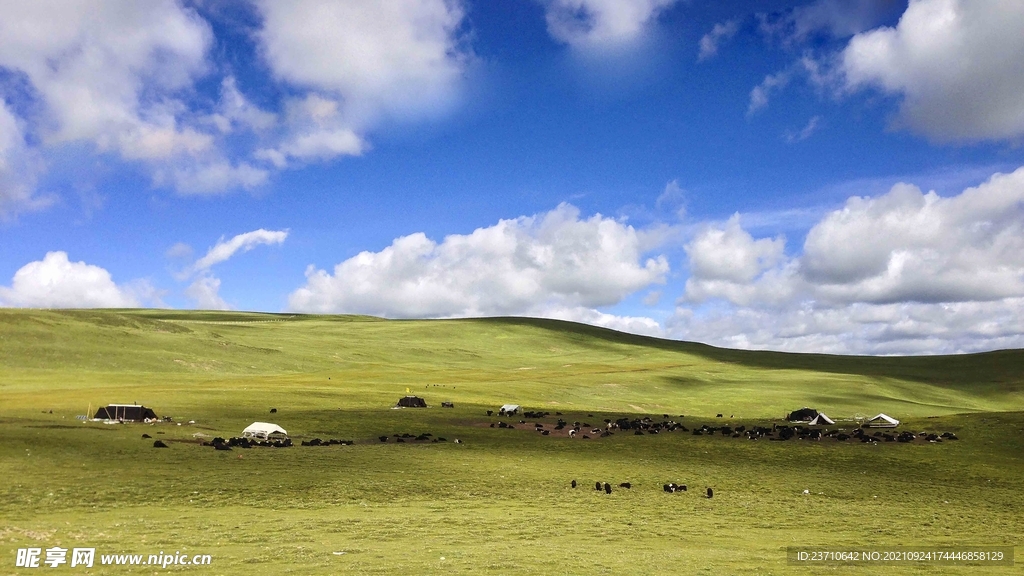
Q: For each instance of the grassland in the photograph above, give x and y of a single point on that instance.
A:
(499, 503)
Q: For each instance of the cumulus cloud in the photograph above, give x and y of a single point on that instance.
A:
(56, 282)
(601, 24)
(904, 272)
(537, 265)
(719, 33)
(954, 64)
(108, 71)
(908, 245)
(403, 58)
(119, 76)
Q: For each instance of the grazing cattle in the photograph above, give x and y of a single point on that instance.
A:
(442, 439)
(159, 444)
(572, 433)
(573, 483)
(597, 485)
(711, 493)
(666, 488)
(607, 488)
(490, 412)
(221, 447)
(718, 416)
(626, 485)
(273, 410)
(447, 405)
(545, 433)
(383, 438)
(146, 436)
(457, 441)
(400, 440)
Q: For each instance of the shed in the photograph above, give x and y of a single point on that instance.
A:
(802, 415)
(509, 409)
(125, 412)
(264, 431)
(411, 402)
(821, 420)
(882, 421)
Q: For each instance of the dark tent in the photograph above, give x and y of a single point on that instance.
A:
(127, 412)
(804, 414)
(412, 402)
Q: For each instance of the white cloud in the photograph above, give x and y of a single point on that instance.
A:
(719, 33)
(632, 324)
(530, 265)
(235, 111)
(20, 166)
(225, 249)
(955, 64)
(204, 292)
(672, 198)
(731, 253)
(601, 24)
(216, 177)
(761, 93)
(805, 132)
(907, 245)
(904, 272)
(652, 298)
(56, 282)
(109, 71)
(841, 18)
(205, 287)
(401, 58)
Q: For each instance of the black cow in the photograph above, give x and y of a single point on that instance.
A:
(607, 488)
(597, 485)
(383, 438)
(159, 444)
(711, 493)
(146, 436)
(573, 483)
(221, 447)
(273, 410)
(625, 485)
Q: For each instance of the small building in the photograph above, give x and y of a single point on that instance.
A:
(804, 414)
(264, 431)
(509, 409)
(882, 421)
(411, 402)
(125, 413)
(821, 420)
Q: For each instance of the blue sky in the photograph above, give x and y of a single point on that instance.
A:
(816, 175)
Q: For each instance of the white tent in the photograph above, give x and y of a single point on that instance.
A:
(263, 431)
(821, 420)
(509, 409)
(882, 421)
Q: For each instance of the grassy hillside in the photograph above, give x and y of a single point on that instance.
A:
(499, 502)
(97, 356)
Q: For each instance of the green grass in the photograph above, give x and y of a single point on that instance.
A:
(499, 503)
